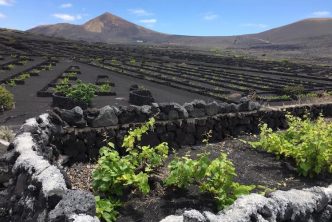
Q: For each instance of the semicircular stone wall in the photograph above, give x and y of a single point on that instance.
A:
(40, 191)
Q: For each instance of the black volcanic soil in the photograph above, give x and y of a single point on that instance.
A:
(29, 105)
(252, 166)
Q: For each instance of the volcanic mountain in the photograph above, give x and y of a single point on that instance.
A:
(104, 28)
(109, 28)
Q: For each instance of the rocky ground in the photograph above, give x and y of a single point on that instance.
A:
(252, 166)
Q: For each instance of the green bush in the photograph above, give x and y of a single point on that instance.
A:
(308, 142)
(6, 99)
(81, 92)
(115, 173)
(106, 209)
(104, 88)
(215, 177)
(293, 90)
(23, 76)
(6, 133)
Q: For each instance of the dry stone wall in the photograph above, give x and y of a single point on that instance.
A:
(39, 190)
(79, 143)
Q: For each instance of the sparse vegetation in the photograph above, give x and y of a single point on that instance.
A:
(293, 90)
(308, 142)
(6, 99)
(215, 177)
(6, 133)
(104, 88)
(115, 173)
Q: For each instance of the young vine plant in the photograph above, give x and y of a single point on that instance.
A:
(115, 173)
(308, 143)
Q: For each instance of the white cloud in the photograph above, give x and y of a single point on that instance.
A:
(66, 5)
(148, 22)
(2, 16)
(140, 12)
(321, 14)
(67, 17)
(7, 2)
(256, 25)
(210, 16)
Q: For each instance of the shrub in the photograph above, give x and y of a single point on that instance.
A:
(81, 92)
(6, 99)
(308, 142)
(106, 209)
(293, 90)
(104, 88)
(216, 177)
(11, 66)
(23, 76)
(71, 74)
(115, 174)
(63, 87)
(11, 83)
(6, 133)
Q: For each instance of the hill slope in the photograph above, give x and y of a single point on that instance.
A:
(304, 29)
(109, 28)
(104, 28)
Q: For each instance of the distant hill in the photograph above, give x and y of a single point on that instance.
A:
(304, 29)
(109, 28)
(104, 28)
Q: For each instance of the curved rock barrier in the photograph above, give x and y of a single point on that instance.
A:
(112, 115)
(81, 143)
(305, 205)
(40, 191)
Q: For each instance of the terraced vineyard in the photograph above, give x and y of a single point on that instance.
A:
(32, 67)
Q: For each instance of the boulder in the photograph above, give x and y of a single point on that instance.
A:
(193, 216)
(73, 117)
(73, 202)
(106, 117)
(212, 109)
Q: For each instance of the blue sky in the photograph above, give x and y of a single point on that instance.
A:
(187, 17)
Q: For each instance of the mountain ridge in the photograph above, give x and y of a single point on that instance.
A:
(109, 28)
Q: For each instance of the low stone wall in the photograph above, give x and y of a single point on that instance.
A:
(39, 190)
(112, 115)
(82, 144)
(314, 205)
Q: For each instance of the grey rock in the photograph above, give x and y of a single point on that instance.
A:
(173, 218)
(199, 103)
(183, 113)
(189, 107)
(73, 117)
(212, 109)
(326, 215)
(146, 109)
(73, 202)
(193, 216)
(106, 117)
(195, 109)
(254, 106)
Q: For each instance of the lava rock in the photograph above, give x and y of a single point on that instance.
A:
(74, 117)
(254, 106)
(193, 216)
(106, 117)
(73, 202)
(212, 109)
